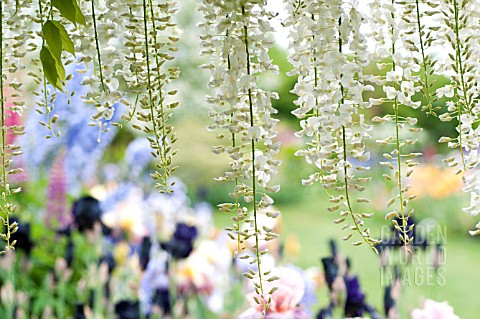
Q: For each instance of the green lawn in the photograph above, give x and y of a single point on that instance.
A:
(312, 225)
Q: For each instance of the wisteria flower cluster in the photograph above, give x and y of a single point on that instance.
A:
(126, 52)
(331, 43)
(119, 46)
(461, 63)
(149, 42)
(235, 38)
(14, 41)
(330, 97)
(97, 50)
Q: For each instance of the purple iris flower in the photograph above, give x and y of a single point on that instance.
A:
(145, 252)
(185, 232)
(354, 305)
(181, 244)
(79, 312)
(330, 268)
(127, 309)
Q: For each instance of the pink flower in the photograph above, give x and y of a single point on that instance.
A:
(434, 310)
(285, 301)
(57, 195)
(253, 313)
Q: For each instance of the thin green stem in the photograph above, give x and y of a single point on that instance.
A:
(149, 86)
(5, 206)
(234, 144)
(254, 179)
(297, 7)
(317, 134)
(317, 112)
(459, 56)
(347, 194)
(397, 140)
(133, 112)
(399, 164)
(426, 84)
(460, 139)
(459, 62)
(345, 157)
(17, 6)
(160, 85)
(315, 72)
(97, 46)
(237, 205)
(48, 111)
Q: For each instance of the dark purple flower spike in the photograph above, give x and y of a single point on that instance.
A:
(127, 309)
(330, 269)
(181, 244)
(354, 305)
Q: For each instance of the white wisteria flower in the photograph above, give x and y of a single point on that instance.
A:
(398, 29)
(15, 43)
(460, 40)
(235, 37)
(328, 53)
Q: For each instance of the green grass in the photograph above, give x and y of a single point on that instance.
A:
(312, 225)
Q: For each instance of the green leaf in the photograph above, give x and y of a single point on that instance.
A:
(54, 71)
(70, 10)
(49, 66)
(78, 14)
(52, 37)
(66, 8)
(62, 76)
(67, 43)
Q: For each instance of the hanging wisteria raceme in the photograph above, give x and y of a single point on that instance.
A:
(391, 53)
(236, 39)
(131, 45)
(418, 33)
(98, 49)
(329, 52)
(13, 48)
(461, 40)
(150, 41)
(46, 94)
(53, 20)
(225, 97)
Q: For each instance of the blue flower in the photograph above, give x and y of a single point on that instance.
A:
(154, 285)
(137, 156)
(83, 149)
(120, 193)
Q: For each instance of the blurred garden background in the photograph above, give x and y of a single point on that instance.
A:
(62, 262)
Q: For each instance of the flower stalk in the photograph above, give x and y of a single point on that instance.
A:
(234, 39)
(329, 107)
